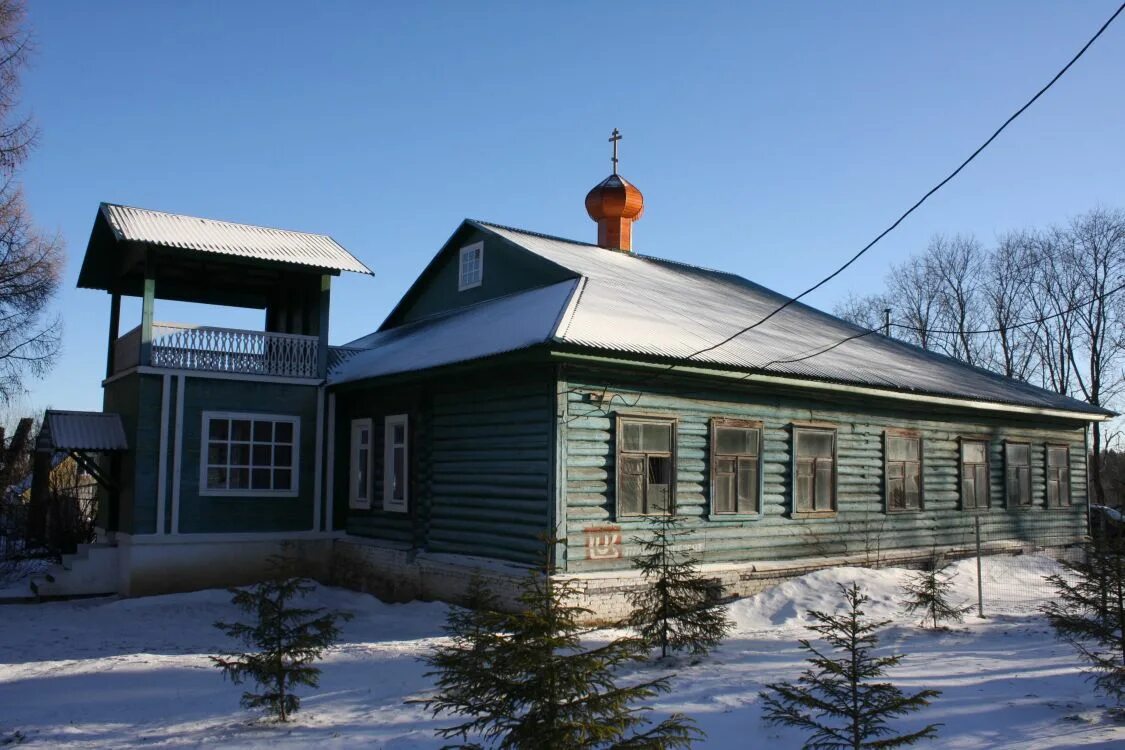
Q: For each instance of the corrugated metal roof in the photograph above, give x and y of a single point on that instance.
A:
(227, 238)
(634, 304)
(84, 431)
(497, 326)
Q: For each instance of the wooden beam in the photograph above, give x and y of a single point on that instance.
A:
(92, 469)
(322, 329)
(147, 305)
(114, 326)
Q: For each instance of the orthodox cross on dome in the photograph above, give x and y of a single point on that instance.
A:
(614, 139)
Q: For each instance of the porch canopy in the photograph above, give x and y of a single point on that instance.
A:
(80, 435)
(155, 255)
(93, 431)
(192, 259)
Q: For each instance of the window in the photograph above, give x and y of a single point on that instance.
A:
(249, 454)
(1017, 474)
(814, 471)
(359, 493)
(974, 474)
(645, 466)
(396, 480)
(903, 455)
(472, 266)
(1058, 476)
(735, 462)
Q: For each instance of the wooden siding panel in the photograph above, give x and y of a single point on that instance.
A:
(245, 513)
(860, 527)
(496, 501)
(481, 464)
(507, 269)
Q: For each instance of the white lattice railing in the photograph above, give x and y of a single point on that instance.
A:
(189, 347)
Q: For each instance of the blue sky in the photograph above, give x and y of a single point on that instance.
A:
(769, 139)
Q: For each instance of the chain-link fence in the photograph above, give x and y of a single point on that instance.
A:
(1008, 560)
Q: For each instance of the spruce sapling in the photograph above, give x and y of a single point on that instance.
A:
(1089, 612)
(928, 592)
(837, 698)
(524, 680)
(676, 610)
(285, 642)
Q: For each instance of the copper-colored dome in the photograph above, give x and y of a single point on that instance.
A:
(615, 198)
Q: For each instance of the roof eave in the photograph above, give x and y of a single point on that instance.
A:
(831, 386)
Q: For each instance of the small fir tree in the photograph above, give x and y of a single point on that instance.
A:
(286, 641)
(524, 681)
(677, 609)
(1089, 612)
(838, 699)
(928, 592)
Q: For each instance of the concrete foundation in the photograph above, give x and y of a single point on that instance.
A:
(397, 573)
(140, 566)
(192, 562)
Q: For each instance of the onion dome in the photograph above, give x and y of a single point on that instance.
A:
(615, 198)
(615, 204)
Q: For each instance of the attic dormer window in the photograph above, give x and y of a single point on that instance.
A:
(472, 266)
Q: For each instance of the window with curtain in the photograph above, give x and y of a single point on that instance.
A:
(814, 470)
(974, 474)
(1058, 476)
(903, 472)
(1017, 474)
(645, 466)
(735, 467)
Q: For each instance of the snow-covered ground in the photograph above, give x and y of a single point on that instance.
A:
(130, 673)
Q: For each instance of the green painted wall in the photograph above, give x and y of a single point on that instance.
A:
(212, 514)
(480, 462)
(137, 399)
(860, 527)
(507, 269)
(375, 403)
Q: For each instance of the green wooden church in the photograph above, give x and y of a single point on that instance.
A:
(528, 386)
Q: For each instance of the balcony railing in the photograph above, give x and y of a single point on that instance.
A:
(188, 347)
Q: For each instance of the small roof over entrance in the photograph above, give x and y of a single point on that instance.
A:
(82, 431)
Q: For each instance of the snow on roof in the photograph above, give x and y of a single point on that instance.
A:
(494, 327)
(227, 238)
(634, 304)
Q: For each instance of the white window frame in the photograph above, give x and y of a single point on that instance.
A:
(204, 463)
(462, 285)
(355, 502)
(389, 423)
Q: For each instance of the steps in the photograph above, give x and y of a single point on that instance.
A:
(91, 571)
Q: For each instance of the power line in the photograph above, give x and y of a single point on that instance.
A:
(1014, 326)
(862, 334)
(907, 213)
(928, 194)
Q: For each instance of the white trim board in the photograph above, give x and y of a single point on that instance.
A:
(162, 460)
(207, 374)
(330, 480)
(318, 459)
(235, 536)
(178, 452)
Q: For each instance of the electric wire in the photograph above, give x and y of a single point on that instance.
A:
(894, 225)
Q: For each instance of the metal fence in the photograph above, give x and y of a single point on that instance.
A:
(1009, 572)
